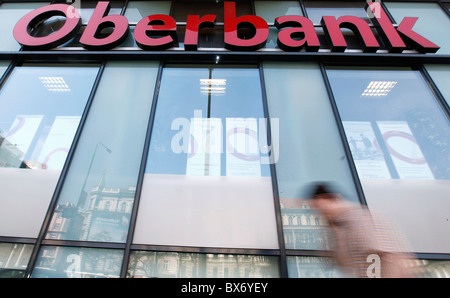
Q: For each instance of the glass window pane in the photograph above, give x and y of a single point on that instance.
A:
(194, 265)
(14, 259)
(98, 193)
(10, 14)
(76, 262)
(322, 267)
(313, 267)
(317, 9)
(204, 7)
(305, 155)
(429, 15)
(207, 180)
(269, 10)
(441, 77)
(399, 138)
(37, 124)
(86, 8)
(137, 10)
(207, 37)
(431, 268)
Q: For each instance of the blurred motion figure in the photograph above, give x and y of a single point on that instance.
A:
(365, 243)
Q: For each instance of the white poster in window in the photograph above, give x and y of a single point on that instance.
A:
(60, 137)
(242, 147)
(205, 147)
(19, 137)
(404, 150)
(369, 159)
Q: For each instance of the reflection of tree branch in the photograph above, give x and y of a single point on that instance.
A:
(432, 134)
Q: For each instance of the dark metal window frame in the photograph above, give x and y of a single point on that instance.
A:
(323, 59)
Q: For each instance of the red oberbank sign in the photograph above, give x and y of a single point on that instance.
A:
(158, 32)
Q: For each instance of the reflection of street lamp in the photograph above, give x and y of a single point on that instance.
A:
(83, 193)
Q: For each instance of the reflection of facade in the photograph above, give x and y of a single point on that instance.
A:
(14, 259)
(77, 263)
(191, 265)
(434, 269)
(303, 228)
(104, 219)
(313, 267)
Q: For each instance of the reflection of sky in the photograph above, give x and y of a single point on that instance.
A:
(49, 91)
(180, 95)
(409, 100)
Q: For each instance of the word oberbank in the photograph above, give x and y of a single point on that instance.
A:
(159, 31)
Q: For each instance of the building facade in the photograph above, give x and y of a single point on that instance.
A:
(181, 138)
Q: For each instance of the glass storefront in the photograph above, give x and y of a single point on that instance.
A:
(76, 262)
(197, 162)
(207, 180)
(397, 133)
(97, 198)
(193, 265)
(38, 125)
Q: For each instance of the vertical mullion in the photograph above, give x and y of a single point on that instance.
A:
(172, 8)
(63, 175)
(124, 8)
(439, 97)
(303, 7)
(273, 174)
(145, 151)
(446, 10)
(348, 153)
(386, 10)
(7, 73)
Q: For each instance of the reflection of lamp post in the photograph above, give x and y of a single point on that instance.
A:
(82, 199)
(83, 193)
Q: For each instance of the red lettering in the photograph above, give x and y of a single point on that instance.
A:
(394, 43)
(359, 27)
(233, 23)
(99, 21)
(159, 32)
(298, 27)
(394, 38)
(415, 40)
(25, 24)
(194, 24)
(162, 27)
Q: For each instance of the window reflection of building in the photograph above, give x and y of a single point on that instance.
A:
(104, 219)
(76, 262)
(303, 228)
(14, 259)
(313, 267)
(193, 265)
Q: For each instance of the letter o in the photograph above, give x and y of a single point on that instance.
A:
(64, 34)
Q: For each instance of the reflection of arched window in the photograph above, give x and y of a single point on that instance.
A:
(317, 221)
(123, 206)
(107, 205)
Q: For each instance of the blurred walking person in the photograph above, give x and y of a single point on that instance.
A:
(365, 243)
